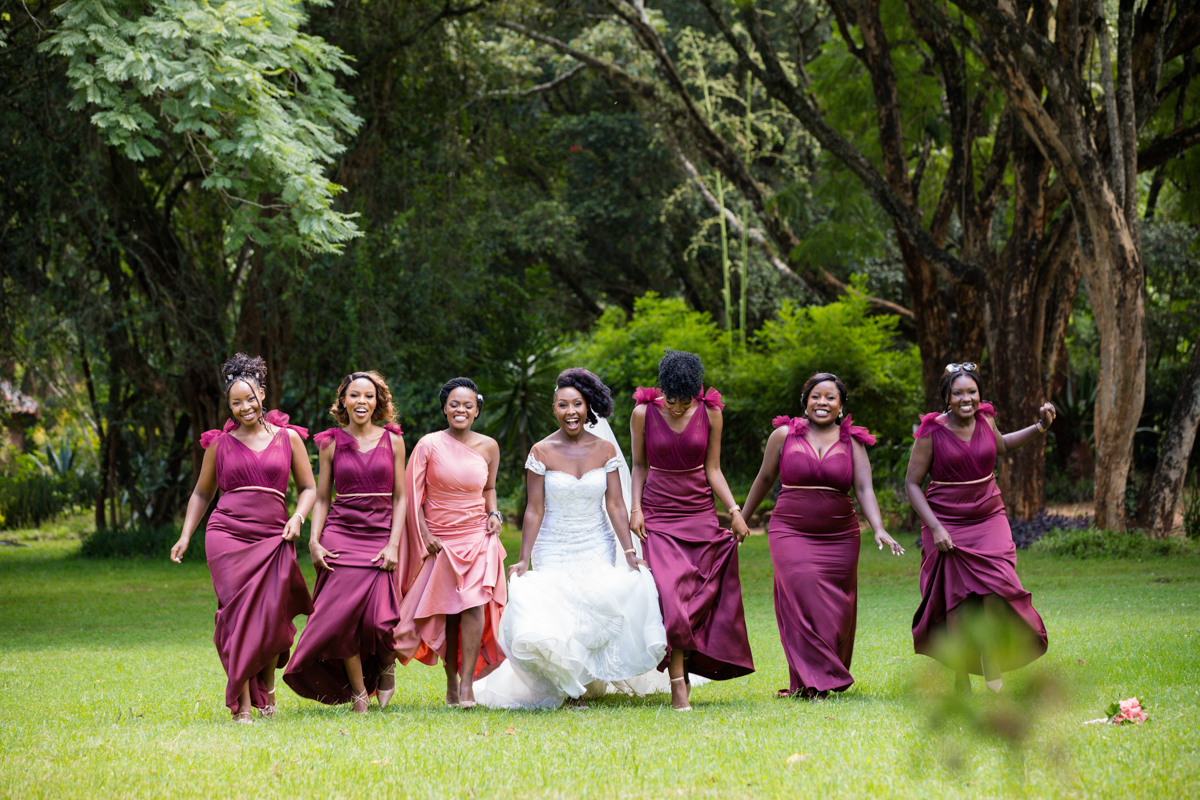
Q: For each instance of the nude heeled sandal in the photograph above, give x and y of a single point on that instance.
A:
(688, 707)
(384, 695)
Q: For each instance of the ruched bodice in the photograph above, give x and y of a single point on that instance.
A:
(575, 528)
(238, 466)
(666, 449)
(799, 464)
(954, 460)
(355, 472)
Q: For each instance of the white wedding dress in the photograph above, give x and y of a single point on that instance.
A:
(580, 621)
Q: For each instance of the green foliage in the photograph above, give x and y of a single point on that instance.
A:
(1191, 509)
(253, 98)
(843, 337)
(140, 541)
(31, 492)
(1098, 543)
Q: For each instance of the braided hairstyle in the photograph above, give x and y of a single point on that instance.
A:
(460, 383)
(821, 377)
(595, 394)
(241, 367)
(384, 410)
(680, 375)
(947, 382)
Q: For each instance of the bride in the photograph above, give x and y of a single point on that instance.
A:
(583, 616)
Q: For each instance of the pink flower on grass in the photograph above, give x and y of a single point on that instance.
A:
(1129, 711)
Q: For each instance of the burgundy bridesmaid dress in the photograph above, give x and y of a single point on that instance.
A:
(356, 606)
(814, 538)
(693, 560)
(964, 497)
(259, 586)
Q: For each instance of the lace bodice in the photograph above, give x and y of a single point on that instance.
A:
(575, 529)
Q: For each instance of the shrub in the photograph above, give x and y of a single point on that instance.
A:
(1096, 543)
(1027, 531)
(30, 492)
(146, 541)
(1191, 510)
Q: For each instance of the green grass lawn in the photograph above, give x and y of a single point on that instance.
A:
(110, 686)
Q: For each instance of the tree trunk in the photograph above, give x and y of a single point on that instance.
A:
(1157, 516)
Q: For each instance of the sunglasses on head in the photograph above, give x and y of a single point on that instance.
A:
(966, 366)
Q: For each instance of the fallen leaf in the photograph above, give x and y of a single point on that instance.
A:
(794, 757)
(1080, 661)
(342, 732)
(510, 731)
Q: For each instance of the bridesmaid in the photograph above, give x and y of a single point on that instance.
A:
(249, 538)
(347, 650)
(814, 535)
(969, 583)
(453, 610)
(676, 472)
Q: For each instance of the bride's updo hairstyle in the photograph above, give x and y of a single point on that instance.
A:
(384, 410)
(680, 375)
(241, 367)
(595, 393)
(460, 383)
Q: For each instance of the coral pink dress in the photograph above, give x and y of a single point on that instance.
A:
(693, 560)
(358, 604)
(448, 478)
(259, 586)
(814, 539)
(963, 495)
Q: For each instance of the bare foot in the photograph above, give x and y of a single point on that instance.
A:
(451, 693)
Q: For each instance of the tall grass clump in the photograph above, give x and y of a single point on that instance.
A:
(1099, 543)
(144, 541)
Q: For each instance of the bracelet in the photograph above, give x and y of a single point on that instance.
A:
(301, 516)
(496, 514)
(1039, 425)
(633, 510)
(733, 509)
(631, 550)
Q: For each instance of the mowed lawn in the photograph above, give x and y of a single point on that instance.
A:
(110, 687)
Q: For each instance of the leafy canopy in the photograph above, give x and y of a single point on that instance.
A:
(251, 98)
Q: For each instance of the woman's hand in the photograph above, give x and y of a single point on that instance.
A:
(390, 555)
(941, 540)
(433, 545)
(637, 524)
(634, 562)
(882, 538)
(179, 549)
(494, 525)
(1046, 415)
(319, 554)
(518, 569)
(740, 529)
(291, 531)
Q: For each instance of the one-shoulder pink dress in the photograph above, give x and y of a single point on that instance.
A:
(448, 478)
(356, 606)
(259, 586)
(814, 539)
(963, 495)
(693, 560)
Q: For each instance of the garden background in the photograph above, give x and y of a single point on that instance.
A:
(504, 188)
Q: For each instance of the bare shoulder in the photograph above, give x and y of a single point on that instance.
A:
(778, 436)
(639, 412)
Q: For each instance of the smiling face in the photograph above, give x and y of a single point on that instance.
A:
(245, 403)
(677, 408)
(964, 397)
(360, 400)
(461, 409)
(570, 409)
(824, 403)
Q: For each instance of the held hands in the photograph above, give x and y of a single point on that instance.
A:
(941, 540)
(634, 562)
(740, 529)
(390, 555)
(637, 524)
(882, 538)
(518, 569)
(319, 554)
(1046, 415)
(291, 531)
(179, 549)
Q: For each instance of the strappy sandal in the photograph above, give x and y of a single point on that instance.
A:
(688, 707)
(268, 710)
(383, 695)
(243, 717)
(361, 702)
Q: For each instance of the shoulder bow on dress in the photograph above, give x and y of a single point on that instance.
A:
(931, 422)
(647, 395)
(343, 438)
(712, 399)
(797, 426)
(856, 432)
(280, 420)
(208, 437)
